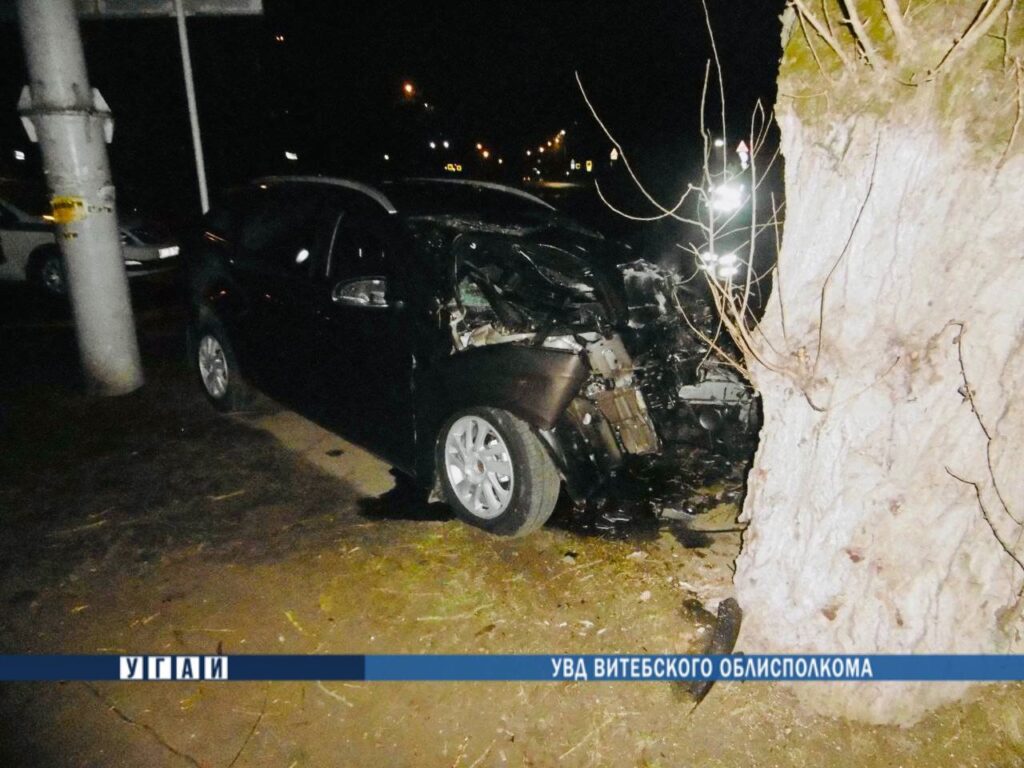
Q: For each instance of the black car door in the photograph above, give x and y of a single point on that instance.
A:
(283, 236)
(365, 363)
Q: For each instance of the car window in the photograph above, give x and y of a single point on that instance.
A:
(279, 233)
(356, 251)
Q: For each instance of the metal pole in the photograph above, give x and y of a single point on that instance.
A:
(70, 120)
(193, 113)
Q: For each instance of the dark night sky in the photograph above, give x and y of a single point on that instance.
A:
(501, 73)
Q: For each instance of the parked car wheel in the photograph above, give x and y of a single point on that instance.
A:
(217, 366)
(46, 271)
(495, 473)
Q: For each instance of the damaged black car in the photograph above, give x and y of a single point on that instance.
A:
(468, 333)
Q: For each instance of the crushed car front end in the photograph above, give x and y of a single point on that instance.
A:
(548, 323)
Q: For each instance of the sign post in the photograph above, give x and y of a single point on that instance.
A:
(73, 124)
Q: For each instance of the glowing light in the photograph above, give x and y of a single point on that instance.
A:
(290, 156)
(540, 149)
(445, 144)
(387, 156)
(479, 146)
(19, 155)
(529, 152)
(501, 161)
(726, 198)
(279, 38)
(486, 154)
(727, 272)
(562, 132)
(408, 88)
(433, 145)
(707, 257)
(719, 143)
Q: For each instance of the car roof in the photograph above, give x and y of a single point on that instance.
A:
(408, 188)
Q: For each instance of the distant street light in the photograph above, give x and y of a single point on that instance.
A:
(445, 144)
(387, 157)
(433, 145)
(408, 88)
(562, 132)
(290, 156)
(479, 145)
(486, 154)
(501, 161)
(529, 152)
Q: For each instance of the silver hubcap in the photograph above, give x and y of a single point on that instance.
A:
(213, 368)
(53, 276)
(479, 467)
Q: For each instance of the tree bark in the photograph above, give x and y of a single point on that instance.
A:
(884, 500)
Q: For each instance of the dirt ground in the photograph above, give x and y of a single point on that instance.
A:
(150, 524)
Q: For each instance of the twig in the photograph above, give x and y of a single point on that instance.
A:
(969, 394)
(334, 695)
(131, 721)
(862, 37)
(485, 753)
(842, 253)
(586, 738)
(1017, 118)
(899, 29)
(255, 725)
(978, 28)
(984, 514)
(823, 33)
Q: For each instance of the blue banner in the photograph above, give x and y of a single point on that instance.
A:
(590, 667)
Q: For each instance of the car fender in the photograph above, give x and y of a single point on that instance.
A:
(533, 383)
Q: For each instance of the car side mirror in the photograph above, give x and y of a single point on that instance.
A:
(364, 292)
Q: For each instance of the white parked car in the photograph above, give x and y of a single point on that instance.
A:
(29, 252)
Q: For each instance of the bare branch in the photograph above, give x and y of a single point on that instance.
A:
(863, 39)
(823, 32)
(621, 151)
(984, 513)
(978, 28)
(1017, 118)
(969, 394)
(842, 253)
(899, 29)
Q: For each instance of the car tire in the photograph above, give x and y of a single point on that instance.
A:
(47, 273)
(515, 492)
(214, 361)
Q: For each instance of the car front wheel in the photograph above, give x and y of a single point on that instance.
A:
(495, 473)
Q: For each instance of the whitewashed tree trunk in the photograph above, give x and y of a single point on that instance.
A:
(902, 271)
